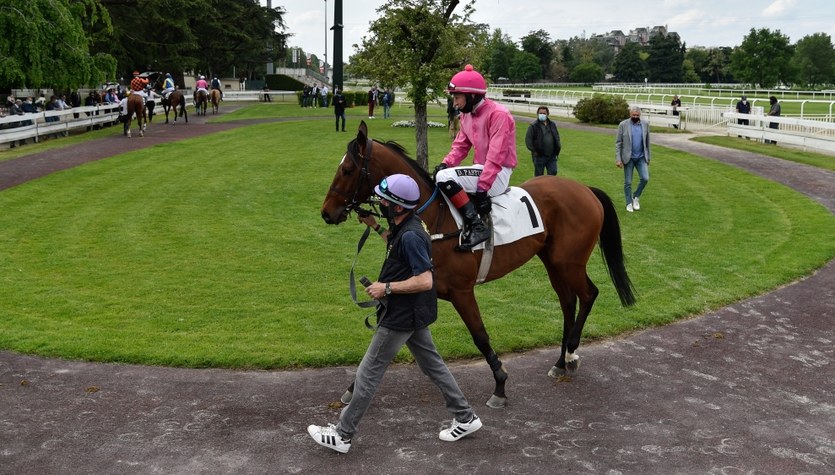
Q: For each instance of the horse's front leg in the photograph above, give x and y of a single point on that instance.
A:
(467, 308)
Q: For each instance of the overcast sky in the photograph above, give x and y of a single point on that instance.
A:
(698, 22)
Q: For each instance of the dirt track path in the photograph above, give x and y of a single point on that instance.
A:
(746, 389)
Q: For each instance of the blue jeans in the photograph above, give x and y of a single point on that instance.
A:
(643, 173)
(384, 347)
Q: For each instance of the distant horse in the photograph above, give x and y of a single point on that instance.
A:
(201, 99)
(575, 218)
(175, 99)
(215, 101)
(136, 106)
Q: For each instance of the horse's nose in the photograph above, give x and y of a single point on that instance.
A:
(326, 217)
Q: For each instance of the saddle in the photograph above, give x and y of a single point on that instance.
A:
(513, 216)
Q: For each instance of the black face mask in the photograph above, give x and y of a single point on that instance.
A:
(636, 119)
(387, 212)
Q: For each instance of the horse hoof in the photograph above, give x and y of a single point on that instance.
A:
(346, 398)
(141, 133)
(572, 366)
(496, 402)
(555, 372)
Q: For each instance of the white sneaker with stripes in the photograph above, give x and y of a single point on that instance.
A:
(459, 430)
(329, 437)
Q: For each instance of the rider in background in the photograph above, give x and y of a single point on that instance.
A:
(216, 85)
(168, 86)
(138, 84)
(487, 127)
(201, 85)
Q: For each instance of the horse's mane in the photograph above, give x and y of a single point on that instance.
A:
(401, 152)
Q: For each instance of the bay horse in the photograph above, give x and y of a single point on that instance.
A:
(201, 100)
(136, 106)
(175, 99)
(215, 101)
(575, 219)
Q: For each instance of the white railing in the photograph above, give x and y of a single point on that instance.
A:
(805, 133)
(17, 128)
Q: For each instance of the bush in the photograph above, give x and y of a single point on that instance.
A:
(602, 109)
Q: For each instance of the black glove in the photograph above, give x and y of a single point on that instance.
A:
(482, 203)
(438, 168)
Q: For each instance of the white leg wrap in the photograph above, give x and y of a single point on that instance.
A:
(571, 357)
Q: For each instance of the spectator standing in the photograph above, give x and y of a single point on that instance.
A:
(632, 153)
(314, 96)
(242, 83)
(29, 106)
(339, 107)
(676, 103)
(743, 107)
(406, 283)
(543, 140)
(372, 101)
(305, 95)
(388, 100)
(324, 94)
(775, 112)
(267, 97)
(150, 103)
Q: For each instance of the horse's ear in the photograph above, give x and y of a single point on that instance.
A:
(362, 132)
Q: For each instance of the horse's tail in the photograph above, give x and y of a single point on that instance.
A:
(612, 249)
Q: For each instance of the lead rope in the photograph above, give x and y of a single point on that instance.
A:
(352, 285)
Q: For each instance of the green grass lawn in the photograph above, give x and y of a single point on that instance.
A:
(212, 252)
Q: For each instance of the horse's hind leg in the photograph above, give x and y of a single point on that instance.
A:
(467, 308)
(572, 286)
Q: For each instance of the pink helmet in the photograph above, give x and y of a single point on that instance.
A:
(467, 81)
(399, 189)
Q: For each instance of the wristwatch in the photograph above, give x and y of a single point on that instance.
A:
(388, 288)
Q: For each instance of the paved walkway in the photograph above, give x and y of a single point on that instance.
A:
(743, 390)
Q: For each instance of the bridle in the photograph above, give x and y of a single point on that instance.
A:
(352, 203)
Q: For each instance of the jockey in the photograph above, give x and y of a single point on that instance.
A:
(487, 127)
(201, 85)
(168, 86)
(137, 84)
(216, 85)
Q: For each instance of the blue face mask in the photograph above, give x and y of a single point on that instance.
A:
(542, 117)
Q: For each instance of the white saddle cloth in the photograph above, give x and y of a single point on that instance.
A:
(514, 214)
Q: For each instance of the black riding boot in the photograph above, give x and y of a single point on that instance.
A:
(475, 231)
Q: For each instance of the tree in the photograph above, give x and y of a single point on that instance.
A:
(718, 65)
(629, 66)
(45, 43)
(814, 59)
(157, 35)
(502, 52)
(698, 59)
(666, 55)
(763, 58)
(587, 73)
(418, 46)
(525, 67)
(689, 72)
(538, 43)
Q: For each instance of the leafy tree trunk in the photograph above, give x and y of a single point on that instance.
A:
(421, 135)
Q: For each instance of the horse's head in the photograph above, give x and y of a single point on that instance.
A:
(354, 181)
